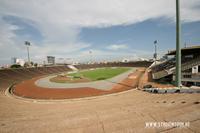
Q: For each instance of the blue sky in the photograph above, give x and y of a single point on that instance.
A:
(112, 31)
(26, 30)
(141, 36)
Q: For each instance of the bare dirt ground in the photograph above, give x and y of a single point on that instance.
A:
(28, 89)
(122, 113)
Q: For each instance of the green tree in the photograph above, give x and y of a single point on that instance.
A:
(35, 65)
(15, 66)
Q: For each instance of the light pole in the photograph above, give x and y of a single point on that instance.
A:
(90, 52)
(155, 54)
(28, 44)
(178, 42)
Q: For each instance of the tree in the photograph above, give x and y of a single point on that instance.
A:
(26, 64)
(35, 65)
(31, 63)
(15, 66)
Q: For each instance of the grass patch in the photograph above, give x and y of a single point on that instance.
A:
(100, 73)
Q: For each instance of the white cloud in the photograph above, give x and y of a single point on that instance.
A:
(96, 12)
(60, 21)
(117, 47)
(7, 45)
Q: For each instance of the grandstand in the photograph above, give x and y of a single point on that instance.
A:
(12, 76)
(190, 67)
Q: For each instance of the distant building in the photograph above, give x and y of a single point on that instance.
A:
(64, 61)
(51, 60)
(18, 61)
(21, 62)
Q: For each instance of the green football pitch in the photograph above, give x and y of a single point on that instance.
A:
(100, 73)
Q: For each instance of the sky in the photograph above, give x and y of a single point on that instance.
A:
(94, 29)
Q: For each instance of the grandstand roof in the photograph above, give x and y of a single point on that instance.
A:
(186, 50)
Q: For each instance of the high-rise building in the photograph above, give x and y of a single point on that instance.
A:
(50, 59)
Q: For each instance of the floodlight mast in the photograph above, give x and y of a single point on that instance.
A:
(155, 54)
(178, 42)
(28, 44)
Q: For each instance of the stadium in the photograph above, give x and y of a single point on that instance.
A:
(87, 82)
(109, 90)
(107, 78)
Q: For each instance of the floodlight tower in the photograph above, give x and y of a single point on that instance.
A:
(28, 44)
(178, 42)
(155, 54)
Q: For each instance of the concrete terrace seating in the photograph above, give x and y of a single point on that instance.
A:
(10, 76)
(164, 65)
